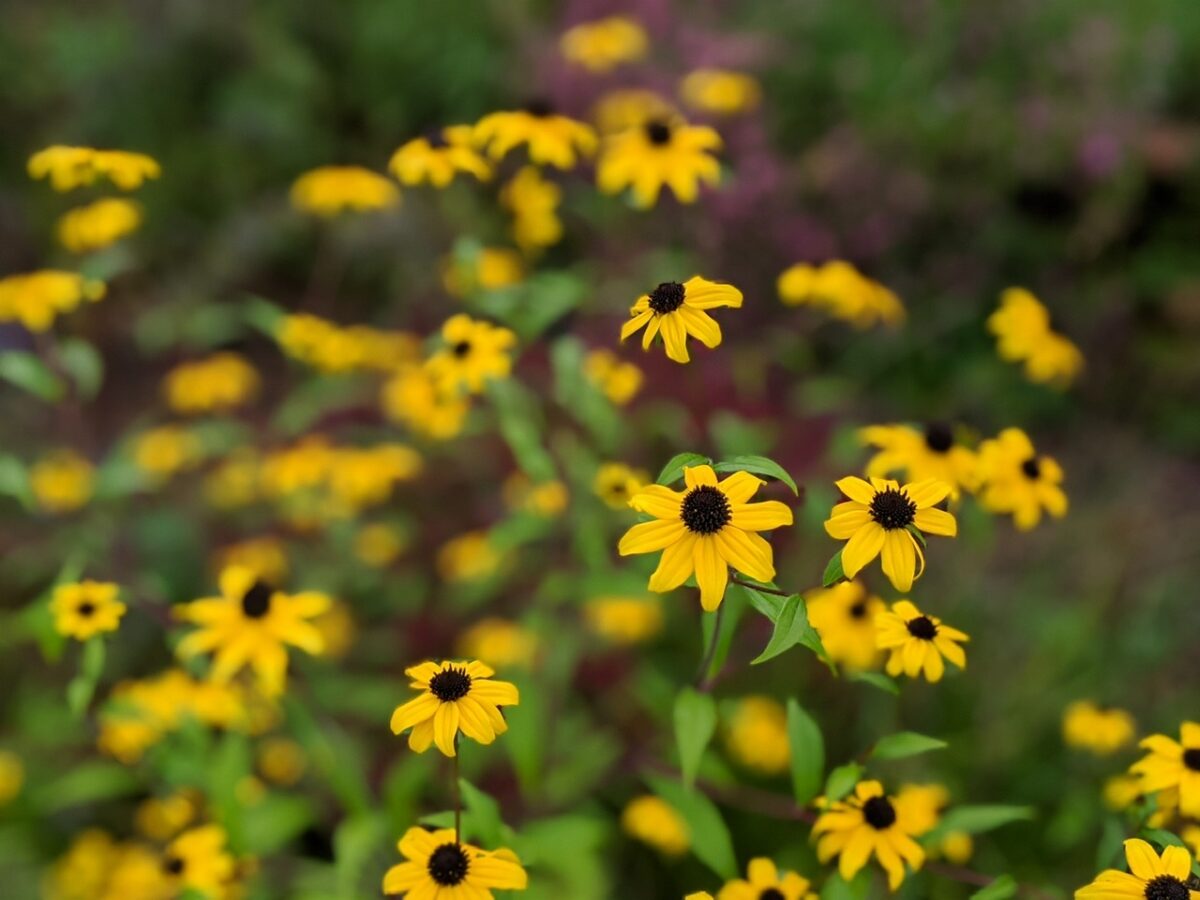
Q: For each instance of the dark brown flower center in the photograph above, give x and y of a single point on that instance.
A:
(1191, 758)
(858, 610)
(256, 602)
(922, 628)
(436, 138)
(172, 865)
(667, 297)
(879, 813)
(450, 684)
(892, 509)
(461, 349)
(705, 510)
(448, 865)
(658, 133)
(86, 608)
(1166, 887)
(938, 437)
(1031, 468)
(771, 894)
(539, 107)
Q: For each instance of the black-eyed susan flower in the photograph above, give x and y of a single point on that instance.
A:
(868, 823)
(763, 880)
(604, 44)
(163, 451)
(500, 643)
(844, 617)
(921, 805)
(38, 298)
(533, 202)
(437, 866)
(1173, 765)
(705, 529)
(473, 353)
(655, 822)
(627, 108)
(547, 499)
(266, 556)
(1014, 480)
(661, 153)
(677, 311)
(917, 642)
(756, 735)
(919, 454)
(217, 384)
(624, 620)
(468, 557)
(332, 190)
(1151, 876)
(618, 380)
(616, 483)
(1102, 730)
(842, 291)
(879, 518)
(72, 167)
(332, 348)
(1024, 334)
(437, 157)
(252, 624)
(198, 861)
(62, 481)
(455, 696)
(413, 397)
(162, 818)
(485, 269)
(722, 92)
(98, 224)
(551, 139)
(955, 846)
(86, 608)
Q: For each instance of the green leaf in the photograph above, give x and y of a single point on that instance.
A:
(905, 743)
(876, 679)
(842, 780)
(807, 747)
(1163, 838)
(791, 628)
(836, 888)
(84, 364)
(481, 815)
(695, 723)
(730, 614)
(767, 604)
(1001, 889)
(673, 470)
(14, 480)
(710, 836)
(521, 424)
(833, 571)
(917, 535)
(264, 315)
(355, 841)
(83, 686)
(27, 371)
(759, 465)
(977, 819)
(1108, 848)
(84, 784)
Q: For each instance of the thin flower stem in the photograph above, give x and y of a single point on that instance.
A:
(702, 681)
(457, 797)
(759, 587)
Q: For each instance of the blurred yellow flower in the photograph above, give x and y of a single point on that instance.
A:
(82, 873)
(547, 499)
(618, 380)
(197, 860)
(473, 352)
(1024, 334)
(868, 822)
(234, 482)
(616, 483)
(627, 108)
(72, 167)
(917, 455)
(1014, 480)
(653, 821)
(921, 806)
(1173, 765)
(332, 190)
(301, 466)
(217, 384)
(918, 642)
(488, 269)
(455, 696)
(338, 629)
(842, 291)
(1099, 730)
(678, 311)
(281, 760)
(499, 643)
(36, 299)
(162, 818)
(721, 92)
(468, 557)
(437, 157)
(551, 139)
(533, 202)
(266, 556)
(12, 776)
(604, 44)
(764, 881)
(379, 544)
(956, 847)
(414, 398)
(659, 154)
(86, 608)
(362, 477)
(163, 451)
(62, 481)
(332, 348)
(844, 617)
(756, 735)
(98, 224)
(624, 620)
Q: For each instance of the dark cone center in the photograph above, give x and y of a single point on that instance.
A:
(938, 437)
(461, 349)
(1167, 887)
(771, 894)
(1191, 758)
(541, 107)
(922, 628)
(257, 601)
(858, 610)
(892, 509)
(879, 813)
(1032, 470)
(448, 865)
(658, 133)
(705, 510)
(667, 297)
(86, 608)
(172, 865)
(450, 684)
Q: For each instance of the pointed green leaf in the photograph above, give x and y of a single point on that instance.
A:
(673, 470)
(977, 819)
(905, 743)
(28, 372)
(710, 835)
(695, 723)
(1000, 889)
(758, 465)
(876, 679)
(842, 780)
(807, 747)
(83, 363)
(833, 571)
(791, 628)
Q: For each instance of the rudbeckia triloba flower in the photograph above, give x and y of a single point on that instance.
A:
(844, 617)
(705, 529)
(918, 642)
(619, 381)
(266, 556)
(533, 202)
(72, 167)
(437, 866)
(163, 451)
(86, 608)
(487, 269)
(616, 483)
(842, 291)
(38, 298)
(220, 383)
(437, 157)
(1171, 764)
(624, 620)
(455, 696)
(414, 398)
(547, 499)
(473, 353)
(331, 190)
(62, 481)
(551, 139)
(921, 805)
(1024, 334)
(763, 880)
(653, 821)
(1150, 876)
(877, 520)
(657, 154)
(1014, 480)
(1099, 730)
(329, 347)
(756, 735)
(677, 310)
(917, 455)
(604, 44)
(468, 557)
(197, 861)
(720, 91)
(627, 108)
(866, 823)
(499, 643)
(252, 624)
(98, 224)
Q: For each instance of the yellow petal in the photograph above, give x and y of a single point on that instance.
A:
(856, 489)
(899, 559)
(863, 546)
(650, 536)
(712, 573)
(676, 565)
(760, 516)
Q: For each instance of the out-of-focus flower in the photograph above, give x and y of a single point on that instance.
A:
(705, 529)
(763, 880)
(38, 298)
(72, 167)
(618, 380)
(437, 864)
(332, 190)
(616, 483)
(62, 481)
(488, 269)
(98, 224)
(332, 348)
(468, 557)
(1173, 765)
(197, 860)
(551, 139)
(234, 482)
(379, 544)
(362, 477)
(624, 620)
(220, 383)
(281, 760)
(721, 92)
(918, 642)
(844, 617)
(162, 818)
(921, 805)
(842, 291)
(302, 466)
(1099, 730)
(604, 44)
(756, 735)
(163, 451)
(628, 108)
(1014, 480)
(265, 556)
(455, 696)
(678, 310)
(653, 821)
(338, 629)
(917, 455)
(1191, 836)
(533, 202)
(86, 608)
(865, 824)
(1150, 876)
(660, 154)
(83, 871)
(500, 643)
(1025, 334)
(437, 157)
(12, 776)
(547, 499)
(473, 353)
(954, 846)
(416, 399)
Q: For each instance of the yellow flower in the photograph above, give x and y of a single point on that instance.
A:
(763, 880)
(488, 269)
(619, 381)
(161, 452)
(921, 805)
(338, 629)
(1191, 836)
(455, 696)
(918, 642)
(551, 139)
(234, 482)
(699, 895)
(956, 847)
(37, 298)
(867, 823)
(756, 735)
(679, 310)
(616, 483)
(604, 44)
(1100, 730)
(720, 91)
(72, 167)
(878, 518)
(62, 481)
(219, 383)
(87, 608)
(499, 643)
(437, 865)
(416, 399)
(842, 291)
(281, 760)
(473, 353)
(844, 617)
(331, 348)
(1150, 875)
(533, 202)
(361, 477)
(468, 557)
(918, 455)
(437, 157)
(1024, 334)
(251, 623)
(1014, 480)
(265, 556)
(83, 871)
(627, 108)
(12, 776)
(197, 860)
(705, 529)
(624, 620)
(302, 466)
(331, 190)
(379, 544)
(161, 818)
(653, 821)
(1173, 765)
(547, 499)
(660, 153)
(98, 224)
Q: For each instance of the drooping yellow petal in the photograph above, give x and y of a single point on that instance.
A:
(864, 545)
(899, 559)
(712, 573)
(676, 565)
